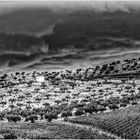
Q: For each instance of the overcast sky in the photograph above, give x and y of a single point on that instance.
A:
(6, 6)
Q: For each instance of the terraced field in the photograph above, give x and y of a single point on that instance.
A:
(46, 130)
(124, 122)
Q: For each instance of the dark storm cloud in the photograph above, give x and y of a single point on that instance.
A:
(40, 17)
(28, 27)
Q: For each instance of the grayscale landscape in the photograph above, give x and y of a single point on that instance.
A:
(70, 70)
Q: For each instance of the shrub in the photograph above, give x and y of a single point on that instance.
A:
(48, 116)
(24, 113)
(81, 104)
(104, 103)
(2, 115)
(87, 109)
(123, 104)
(134, 102)
(13, 118)
(31, 118)
(10, 136)
(66, 113)
(102, 108)
(51, 115)
(41, 113)
(113, 106)
(79, 112)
